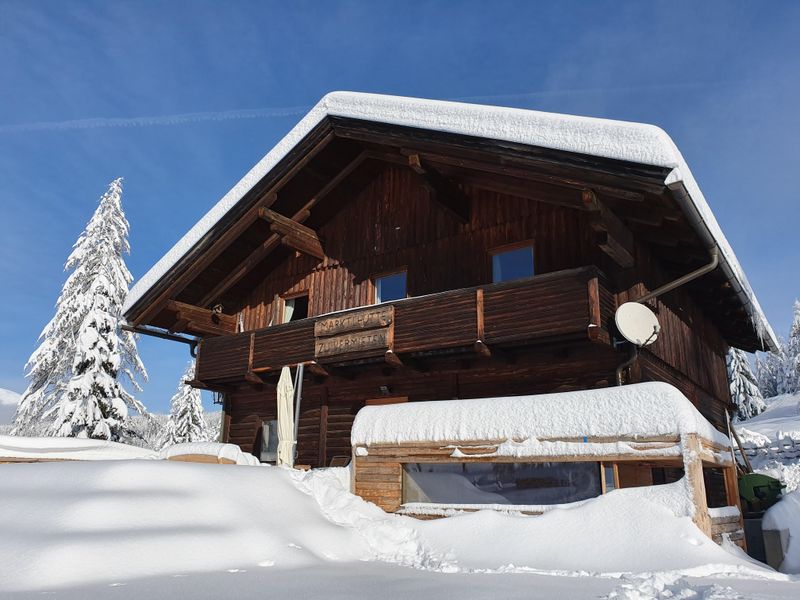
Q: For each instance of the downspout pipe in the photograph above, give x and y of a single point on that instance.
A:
(298, 398)
(144, 330)
(707, 268)
(684, 279)
(689, 208)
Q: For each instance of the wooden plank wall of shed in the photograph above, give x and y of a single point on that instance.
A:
(391, 224)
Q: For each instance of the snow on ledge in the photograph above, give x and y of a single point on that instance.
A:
(230, 452)
(630, 411)
(604, 138)
(59, 448)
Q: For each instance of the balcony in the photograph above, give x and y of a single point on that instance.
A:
(567, 305)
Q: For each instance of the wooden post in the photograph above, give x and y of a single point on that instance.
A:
(693, 466)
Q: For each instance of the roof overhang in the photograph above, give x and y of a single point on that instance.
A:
(628, 143)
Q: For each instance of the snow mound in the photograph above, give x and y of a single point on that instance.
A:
(8, 405)
(59, 448)
(670, 586)
(643, 409)
(230, 452)
(77, 523)
(786, 515)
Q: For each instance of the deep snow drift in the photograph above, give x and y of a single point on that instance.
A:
(100, 523)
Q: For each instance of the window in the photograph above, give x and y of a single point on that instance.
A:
(295, 308)
(609, 477)
(501, 483)
(508, 265)
(390, 287)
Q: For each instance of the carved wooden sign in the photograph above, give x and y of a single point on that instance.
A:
(354, 332)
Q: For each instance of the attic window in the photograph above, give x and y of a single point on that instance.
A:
(390, 287)
(512, 263)
(295, 308)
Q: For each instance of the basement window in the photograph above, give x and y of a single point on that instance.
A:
(295, 308)
(390, 287)
(511, 264)
(501, 483)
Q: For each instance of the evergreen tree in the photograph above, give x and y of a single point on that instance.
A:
(74, 373)
(789, 373)
(745, 393)
(187, 422)
(768, 364)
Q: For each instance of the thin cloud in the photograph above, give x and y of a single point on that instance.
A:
(165, 120)
(271, 113)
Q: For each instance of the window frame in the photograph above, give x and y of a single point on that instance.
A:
(528, 243)
(373, 282)
(292, 296)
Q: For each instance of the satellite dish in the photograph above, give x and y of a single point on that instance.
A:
(637, 323)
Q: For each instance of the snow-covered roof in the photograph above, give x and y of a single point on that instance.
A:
(620, 140)
(59, 448)
(639, 410)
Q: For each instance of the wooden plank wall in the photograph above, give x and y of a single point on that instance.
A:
(552, 369)
(393, 224)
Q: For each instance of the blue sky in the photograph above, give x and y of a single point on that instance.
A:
(182, 98)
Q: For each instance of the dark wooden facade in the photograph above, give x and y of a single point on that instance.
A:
(355, 200)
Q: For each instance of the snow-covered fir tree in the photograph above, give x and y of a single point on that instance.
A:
(187, 422)
(74, 374)
(768, 364)
(788, 380)
(745, 393)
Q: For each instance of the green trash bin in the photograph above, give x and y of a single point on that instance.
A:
(758, 492)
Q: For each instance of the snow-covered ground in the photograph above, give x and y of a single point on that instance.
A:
(8, 405)
(158, 529)
(772, 440)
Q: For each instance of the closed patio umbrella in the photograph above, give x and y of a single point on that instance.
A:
(286, 439)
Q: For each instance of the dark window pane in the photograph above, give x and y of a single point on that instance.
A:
(295, 309)
(390, 287)
(501, 483)
(514, 264)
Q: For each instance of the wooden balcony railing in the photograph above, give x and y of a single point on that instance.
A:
(573, 304)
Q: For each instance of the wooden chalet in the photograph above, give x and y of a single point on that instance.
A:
(407, 250)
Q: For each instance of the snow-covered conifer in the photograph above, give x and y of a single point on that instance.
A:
(187, 422)
(744, 388)
(768, 364)
(74, 373)
(789, 373)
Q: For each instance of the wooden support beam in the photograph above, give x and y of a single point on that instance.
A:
(406, 362)
(481, 348)
(211, 387)
(260, 253)
(294, 234)
(693, 467)
(208, 256)
(200, 321)
(317, 369)
(442, 190)
(614, 238)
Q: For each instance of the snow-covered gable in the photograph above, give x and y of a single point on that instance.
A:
(632, 411)
(620, 140)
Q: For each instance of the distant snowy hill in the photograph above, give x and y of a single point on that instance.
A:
(8, 405)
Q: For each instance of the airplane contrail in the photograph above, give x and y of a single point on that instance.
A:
(102, 122)
(261, 113)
